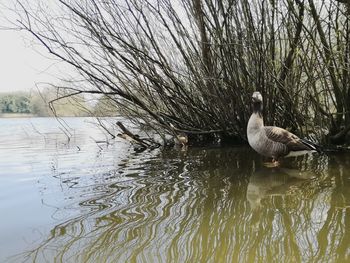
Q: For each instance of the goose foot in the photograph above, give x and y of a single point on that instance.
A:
(272, 164)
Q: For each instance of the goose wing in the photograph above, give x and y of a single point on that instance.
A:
(293, 142)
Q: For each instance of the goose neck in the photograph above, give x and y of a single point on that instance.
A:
(257, 107)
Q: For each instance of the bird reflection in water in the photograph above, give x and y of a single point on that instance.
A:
(277, 181)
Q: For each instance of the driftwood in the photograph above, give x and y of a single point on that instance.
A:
(135, 138)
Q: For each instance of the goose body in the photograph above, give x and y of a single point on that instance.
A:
(271, 141)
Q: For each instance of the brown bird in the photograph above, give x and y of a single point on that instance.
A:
(271, 141)
(182, 138)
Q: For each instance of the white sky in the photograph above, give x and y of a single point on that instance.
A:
(21, 65)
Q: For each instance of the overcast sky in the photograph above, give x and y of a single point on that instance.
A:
(21, 66)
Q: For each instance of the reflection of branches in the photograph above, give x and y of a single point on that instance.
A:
(105, 128)
(144, 213)
(37, 131)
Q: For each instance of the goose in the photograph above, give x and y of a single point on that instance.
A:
(182, 138)
(271, 141)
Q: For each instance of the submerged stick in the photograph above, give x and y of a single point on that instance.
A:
(132, 138)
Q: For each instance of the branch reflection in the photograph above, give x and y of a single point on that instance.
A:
(209, 205)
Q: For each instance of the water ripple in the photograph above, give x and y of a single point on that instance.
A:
(89, 203)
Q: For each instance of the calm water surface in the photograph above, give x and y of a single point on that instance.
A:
(88, 201)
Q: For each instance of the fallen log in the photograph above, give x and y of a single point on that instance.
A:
(135, 138)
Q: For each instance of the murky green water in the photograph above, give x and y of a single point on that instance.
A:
(82, 201)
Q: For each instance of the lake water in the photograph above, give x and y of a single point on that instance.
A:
(84, 200)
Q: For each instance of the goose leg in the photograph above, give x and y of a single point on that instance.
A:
(271, 164)
(275, 162)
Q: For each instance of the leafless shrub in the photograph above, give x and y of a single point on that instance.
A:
(194, 64)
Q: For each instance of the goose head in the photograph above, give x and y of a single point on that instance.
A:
(183, 138)
(257, 102)
(257, 97)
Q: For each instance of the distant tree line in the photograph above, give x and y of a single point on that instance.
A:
(191, 66)
(45, 103)
(15, 103)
